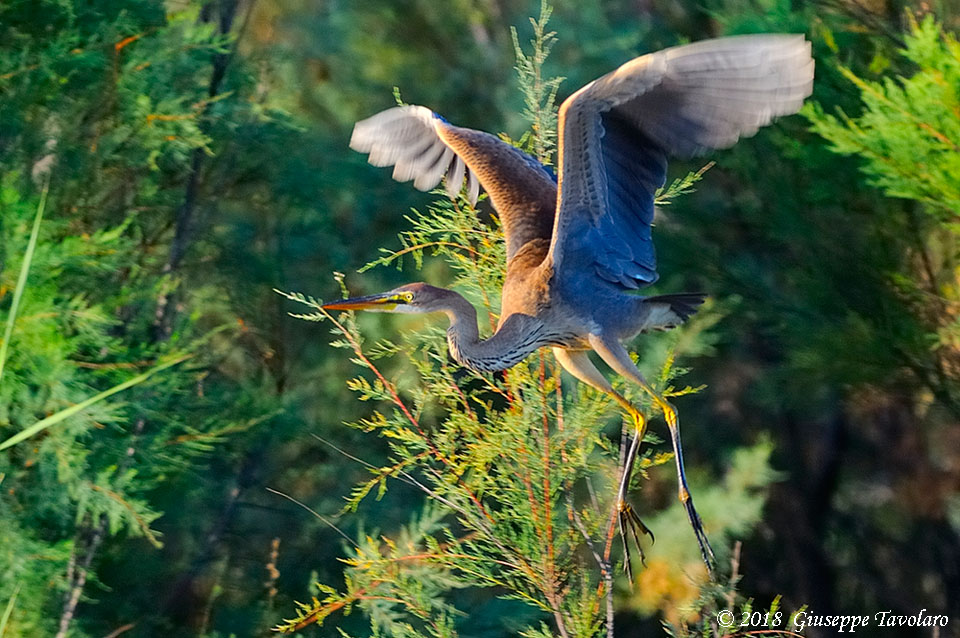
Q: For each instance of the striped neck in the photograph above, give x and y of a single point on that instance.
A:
(516, 338)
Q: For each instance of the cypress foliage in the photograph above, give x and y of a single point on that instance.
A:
(89, 112)
(907, 139)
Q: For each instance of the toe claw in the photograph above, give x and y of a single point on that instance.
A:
(706, 551)
(630, 522)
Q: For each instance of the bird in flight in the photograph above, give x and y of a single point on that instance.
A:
(578, 243)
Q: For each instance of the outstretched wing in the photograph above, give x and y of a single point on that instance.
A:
(617, 132)
(423, 147)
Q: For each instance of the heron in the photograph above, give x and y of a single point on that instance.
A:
(579, 246)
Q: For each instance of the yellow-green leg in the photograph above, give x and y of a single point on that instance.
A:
(673, 423)
(578, 363)
(614, 354)
(627, 519)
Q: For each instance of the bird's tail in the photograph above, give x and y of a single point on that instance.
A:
(683, 304)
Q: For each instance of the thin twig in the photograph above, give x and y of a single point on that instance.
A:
(734, 572)
(389, 387)
(121, 630)
(73, 598)
(325, 520)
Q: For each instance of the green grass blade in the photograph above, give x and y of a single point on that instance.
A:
(8, 611)
(22, 280)
(53, 419)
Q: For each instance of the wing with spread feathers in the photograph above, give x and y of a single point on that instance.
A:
(423, 147)
(617, 132)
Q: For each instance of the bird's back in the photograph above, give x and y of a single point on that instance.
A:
(526, 288)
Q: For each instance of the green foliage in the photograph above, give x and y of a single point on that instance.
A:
(89, 111)
(69, 475)
(908, 142)
(539, 94)
(909, 132)
(680, 186)
(66, 413)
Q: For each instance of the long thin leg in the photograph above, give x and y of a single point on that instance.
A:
(578, 364)
(627, 519)
(616, 356)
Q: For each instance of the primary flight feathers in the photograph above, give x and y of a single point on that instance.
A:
(405, 138)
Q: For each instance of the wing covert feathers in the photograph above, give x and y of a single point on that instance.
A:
(423, 147)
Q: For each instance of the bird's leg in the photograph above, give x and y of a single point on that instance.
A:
(673, 423)
(627, 518)
(578, 363)
(617, 358)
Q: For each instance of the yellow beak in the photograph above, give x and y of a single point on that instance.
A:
(383, 302)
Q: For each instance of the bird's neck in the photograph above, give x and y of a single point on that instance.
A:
(516, 338)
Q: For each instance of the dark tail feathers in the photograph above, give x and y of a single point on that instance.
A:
(684, 304)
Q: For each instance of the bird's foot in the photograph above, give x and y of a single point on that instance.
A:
(706, 551)
(630, 523)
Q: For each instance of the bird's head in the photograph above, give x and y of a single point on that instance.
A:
(412, 298)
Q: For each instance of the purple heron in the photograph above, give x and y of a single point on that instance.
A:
(579, 245)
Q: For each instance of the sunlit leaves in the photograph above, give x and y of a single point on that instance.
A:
(909, 130)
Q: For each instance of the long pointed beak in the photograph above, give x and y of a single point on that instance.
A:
(382, 301)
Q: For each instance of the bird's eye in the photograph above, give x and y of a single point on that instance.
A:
(408, 297)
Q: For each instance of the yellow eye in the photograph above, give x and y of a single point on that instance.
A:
(408, 297)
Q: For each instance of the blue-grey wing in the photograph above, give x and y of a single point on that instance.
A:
(425, 148)
(617, 132)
